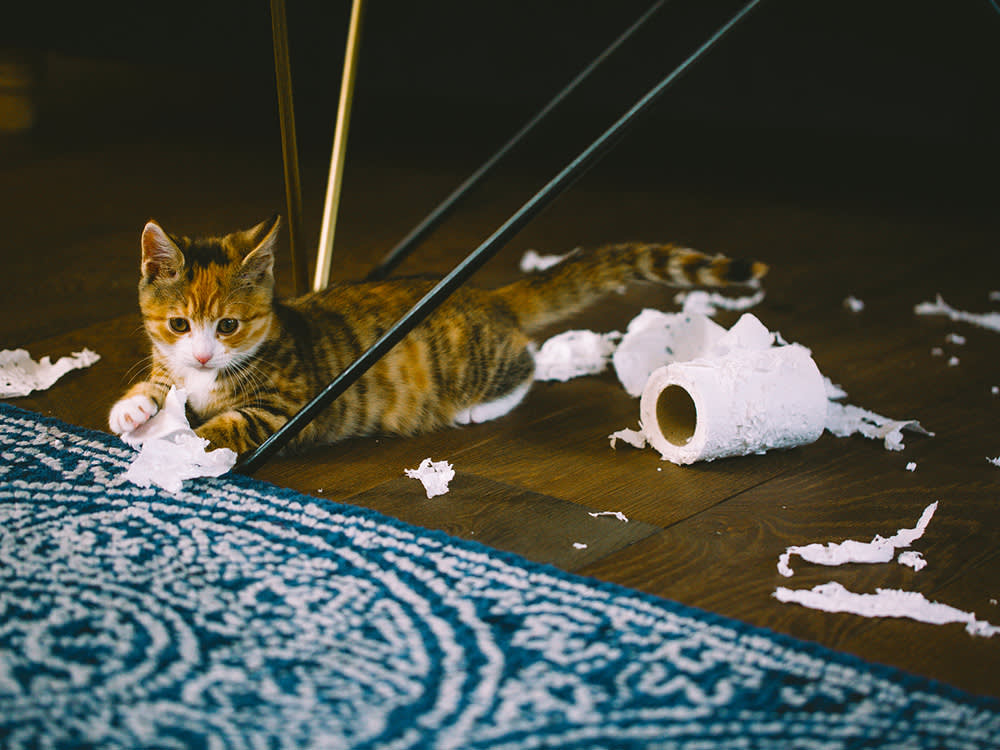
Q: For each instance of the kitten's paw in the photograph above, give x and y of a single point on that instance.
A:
(130, 413)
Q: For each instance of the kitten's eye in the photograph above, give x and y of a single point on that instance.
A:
(179, 325)
(227, 325)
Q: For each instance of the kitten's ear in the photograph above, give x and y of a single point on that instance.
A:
(161, 258)
(258, 264)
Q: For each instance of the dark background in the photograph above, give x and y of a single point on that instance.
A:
(916, 70)
(856, 92)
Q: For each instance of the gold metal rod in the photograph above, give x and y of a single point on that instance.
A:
(331, 204)
(289, 146)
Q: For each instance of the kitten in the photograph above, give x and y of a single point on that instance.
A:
(249, 360)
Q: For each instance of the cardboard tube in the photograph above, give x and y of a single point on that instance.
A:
(747, 402)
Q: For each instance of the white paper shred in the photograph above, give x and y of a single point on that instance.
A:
(635, 438)
(533, 261)
(937, 351)
(953, 362)
(833, 597)
(709, 303)
(579, 545)
(956, 339)
(654, 339)
(994, 461)
(853, 304)
(912, 559)
(912, 466)
(995, 390)
(170, 451)
(878, 550)
(616, 513)
(574, 353)
(434, 475)
(20, 374)
(843, 420)
(833, 391)
(990, 320)
(994, 296)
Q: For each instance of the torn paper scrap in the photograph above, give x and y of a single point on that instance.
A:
(956, 339)
(937, 351)
(843, 420)
(167, 462)
(170, 451)
(994, 296)
(574, 353)
(833, 597)
(616, 513)
(20, 374)
(709, 303)
(853, 304)
(994, 461)
(635, 438)
(911, 466)
(533, 261)
(833, 391)
(168, 421)
(990, 320)
(434, 475)
(953, 362)
(878, 550)
(654, 339)
(912, 559)
(579, 545)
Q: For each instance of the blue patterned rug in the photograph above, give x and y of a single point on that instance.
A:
(241, 615)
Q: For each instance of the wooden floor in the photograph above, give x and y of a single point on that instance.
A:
(891, 223)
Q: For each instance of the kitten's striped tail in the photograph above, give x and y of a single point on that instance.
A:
(584, 276)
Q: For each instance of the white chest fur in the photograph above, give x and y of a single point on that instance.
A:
(200, 385)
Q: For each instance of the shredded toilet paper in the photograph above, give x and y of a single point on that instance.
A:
(575, 353)
(843, 420)
(616, 513)
(853, 304)
(709, 303)
(990, 320)
(635, 438)
(654, 339)
(833, 597)
(994, 461)
(434, 475)
(878, 550)
(912, 559)
(20, 374)
(170, 451)
(533, 261)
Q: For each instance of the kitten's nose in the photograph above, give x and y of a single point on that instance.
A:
(203, 358)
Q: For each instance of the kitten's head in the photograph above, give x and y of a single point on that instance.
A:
(207, 302)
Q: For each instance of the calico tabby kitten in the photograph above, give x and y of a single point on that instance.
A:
(249, 361)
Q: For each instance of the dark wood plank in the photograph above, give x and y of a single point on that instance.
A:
(539, 527)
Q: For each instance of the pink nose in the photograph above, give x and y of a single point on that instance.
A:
(203, 358)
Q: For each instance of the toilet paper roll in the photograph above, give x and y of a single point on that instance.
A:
(746, 402)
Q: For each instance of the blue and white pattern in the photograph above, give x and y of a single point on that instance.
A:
(239, 615)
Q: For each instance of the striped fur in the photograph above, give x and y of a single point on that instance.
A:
(474, 352)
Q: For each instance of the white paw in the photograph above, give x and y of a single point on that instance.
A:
(130, 413)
